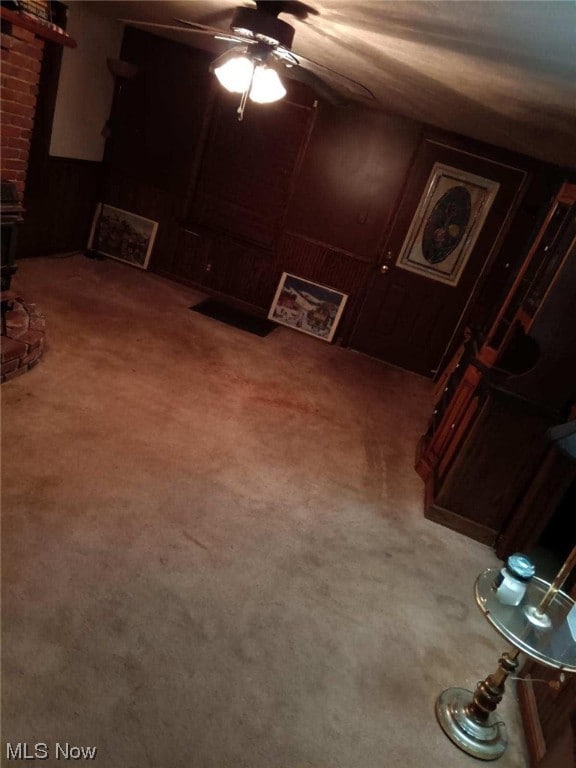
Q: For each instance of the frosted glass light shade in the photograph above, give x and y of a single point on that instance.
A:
(235, 74)
(266, 86)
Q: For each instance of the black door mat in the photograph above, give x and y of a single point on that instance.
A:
(232, 316)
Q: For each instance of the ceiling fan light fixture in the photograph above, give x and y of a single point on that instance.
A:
(235, 74)
(266, 86)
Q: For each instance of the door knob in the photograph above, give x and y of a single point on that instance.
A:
(384, 268)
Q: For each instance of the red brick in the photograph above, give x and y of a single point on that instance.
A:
(12, 349)
(22, 144)
(13, 107)
(28, 49)
(8, 164)
(15, 176)
(12, 114)
(6, 41)
(13, 374)
(26, 134)
(18, 120)
(17, 318)
(11, 153)
(31, 358)
(16, 83)
(33, 65)
(11, 366)
(20, 96)
(37, 42)
(20, 73)
(22, 34)
(10, 132)
(33, 339)
(37, 322)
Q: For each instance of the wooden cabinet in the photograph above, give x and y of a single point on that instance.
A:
(548, 707)
(487, 437)
(547, 503)
(479, 454)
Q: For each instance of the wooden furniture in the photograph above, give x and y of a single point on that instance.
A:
(549, 487)
(548, 707)
(487, 437)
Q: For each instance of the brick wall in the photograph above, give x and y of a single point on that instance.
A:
(21, 54)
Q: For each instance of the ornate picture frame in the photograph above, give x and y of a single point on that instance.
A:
(448, 220)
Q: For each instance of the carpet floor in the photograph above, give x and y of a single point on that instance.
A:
(214, 552)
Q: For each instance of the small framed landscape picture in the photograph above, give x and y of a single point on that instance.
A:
(308, 307)
(122, 235)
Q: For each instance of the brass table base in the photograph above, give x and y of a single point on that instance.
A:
(470, 719)
(484, 740)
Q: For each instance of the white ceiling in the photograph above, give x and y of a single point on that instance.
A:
(501, 72)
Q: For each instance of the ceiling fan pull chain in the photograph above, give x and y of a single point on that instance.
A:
(244, 98)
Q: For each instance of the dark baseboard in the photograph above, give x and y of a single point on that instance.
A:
(456, 522)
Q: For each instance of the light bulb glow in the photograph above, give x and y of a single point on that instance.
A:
(235, 74)
(266, 86)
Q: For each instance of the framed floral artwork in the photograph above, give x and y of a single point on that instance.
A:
(448, 220)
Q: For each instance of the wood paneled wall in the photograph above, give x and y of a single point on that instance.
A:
(311, 193)
(297, 187)
(351, 177)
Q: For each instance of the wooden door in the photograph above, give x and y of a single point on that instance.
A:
(412, 311)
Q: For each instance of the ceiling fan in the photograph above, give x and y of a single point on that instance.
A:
(262, 52)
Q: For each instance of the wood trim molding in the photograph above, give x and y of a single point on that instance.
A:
(328, 247)
(531, 719)
(45, 31)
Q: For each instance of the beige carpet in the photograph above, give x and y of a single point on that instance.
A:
(214, 553)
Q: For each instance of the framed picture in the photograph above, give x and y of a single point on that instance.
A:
(122, 235)
(309, 307)
(448, 220)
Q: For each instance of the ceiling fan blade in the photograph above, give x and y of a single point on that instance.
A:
(218, 34)
(158, 25)
(342, 82)
(323, 89)
(199, 27)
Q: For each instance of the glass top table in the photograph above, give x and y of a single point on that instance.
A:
(552, 645)
(469, 718)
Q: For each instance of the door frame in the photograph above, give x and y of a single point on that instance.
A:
(490, 155)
